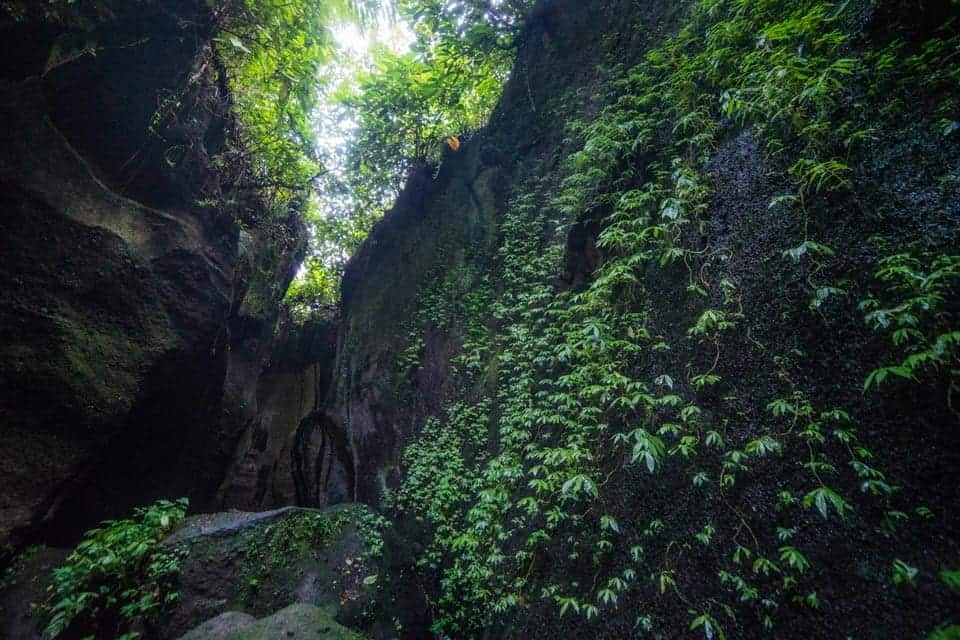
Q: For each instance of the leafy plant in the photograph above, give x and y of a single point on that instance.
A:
(577, 407)
(903, 573)
(405, 110)
(117, 576)
(948, 631)
(274, 53)
(915, 313)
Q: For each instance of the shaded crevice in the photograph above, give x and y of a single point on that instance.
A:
(323, 466)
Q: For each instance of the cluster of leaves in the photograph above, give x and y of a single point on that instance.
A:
(928, 73)
(278, 57)
(407, 106)
(440, 479)
(117, 576)
(576, 414)
(274, 53)
(918, 317)
(473, 28)
(948, 631)
(271, 550)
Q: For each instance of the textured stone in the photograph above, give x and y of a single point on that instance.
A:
(128, 298)
(257, 563)
(221, 627)
(303, 621)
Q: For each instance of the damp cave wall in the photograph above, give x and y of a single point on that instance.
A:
(392, 368)
(137, 312)
(136, 362)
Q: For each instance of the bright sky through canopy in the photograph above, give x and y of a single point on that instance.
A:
(396, 82)
(355, 46)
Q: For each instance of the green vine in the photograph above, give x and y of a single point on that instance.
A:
(576, 409)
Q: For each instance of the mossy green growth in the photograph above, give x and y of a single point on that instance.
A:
(90, 358)
(270, 552)
(299, 620)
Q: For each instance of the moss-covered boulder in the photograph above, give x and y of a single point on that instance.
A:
(296, 621)
(259, 563)
(237, 567)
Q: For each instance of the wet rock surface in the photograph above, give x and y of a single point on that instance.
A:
(275, 396)
(23, 588)
(133, 363)
(130, 296)
(299, 620)
(222, 626)
(258, 563)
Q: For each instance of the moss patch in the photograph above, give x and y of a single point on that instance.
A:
(258, 563)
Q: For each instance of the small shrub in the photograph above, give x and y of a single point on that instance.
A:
(117, 574)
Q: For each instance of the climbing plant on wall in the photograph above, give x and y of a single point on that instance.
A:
(578, 407)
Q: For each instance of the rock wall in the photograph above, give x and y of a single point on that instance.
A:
(432, 311)
(403, 293)
(140, 358)
(277, 395)
(133, 306)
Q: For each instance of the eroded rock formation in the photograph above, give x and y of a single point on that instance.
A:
(136, 315)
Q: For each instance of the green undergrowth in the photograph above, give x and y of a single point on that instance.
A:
(120, 578)
(526, 512)
(117, 577)
(271, 551)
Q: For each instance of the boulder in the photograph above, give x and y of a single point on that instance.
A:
(300, 620)
(259, 563)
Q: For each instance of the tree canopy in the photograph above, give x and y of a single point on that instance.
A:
(276, 52)
(399, 107)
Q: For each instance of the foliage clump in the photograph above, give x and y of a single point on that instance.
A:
(274, 53)
(405, 110)
(118, 576)
(271, 550)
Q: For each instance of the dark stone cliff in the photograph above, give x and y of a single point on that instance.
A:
(393, 364)
(136, 314)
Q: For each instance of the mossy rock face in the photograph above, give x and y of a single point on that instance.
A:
(795, 330)
(127, 302)
(222, 626)
(23, 587)
(258, 563)
(296, 621)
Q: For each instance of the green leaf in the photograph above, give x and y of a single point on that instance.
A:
(951, 579)
(823, 497)
(903, 573)
(237, 44)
